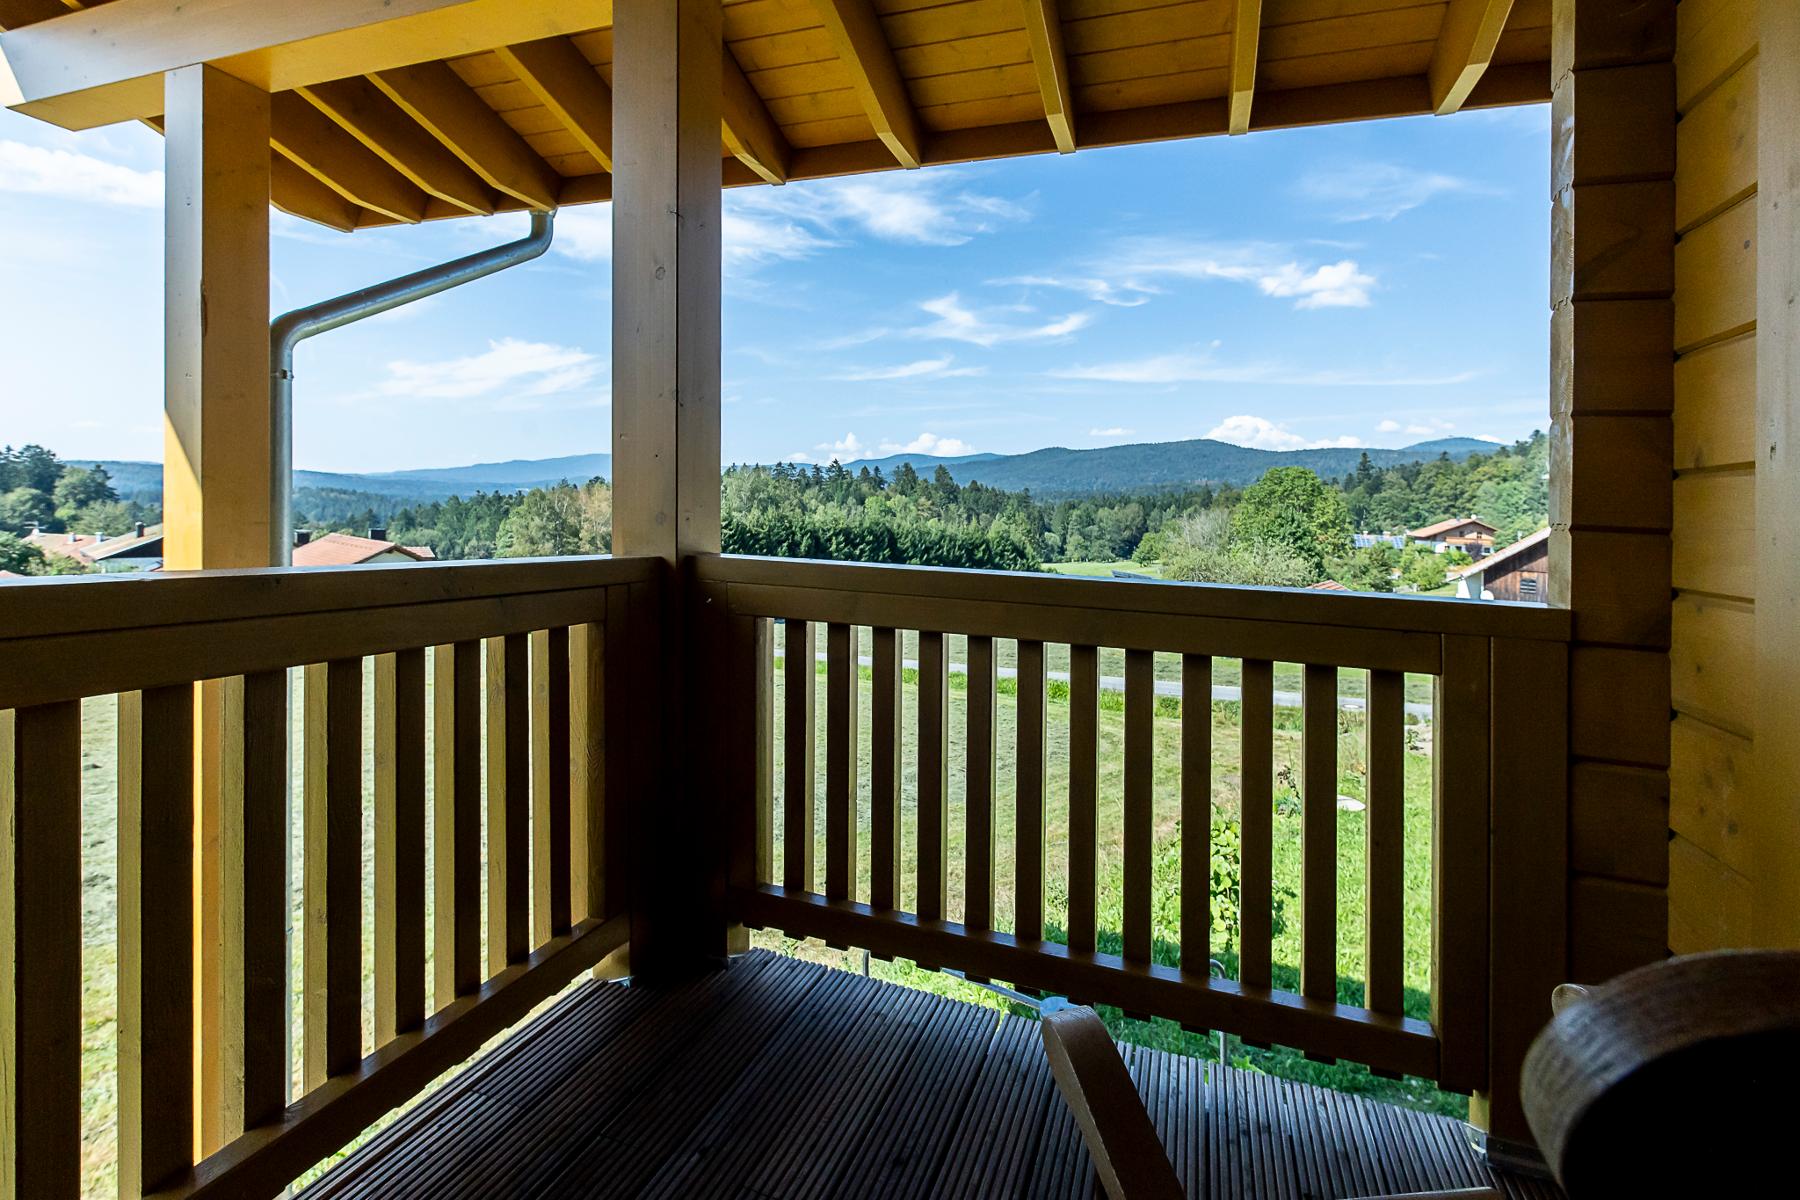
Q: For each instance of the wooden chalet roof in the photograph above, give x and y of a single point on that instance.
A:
(813, 88)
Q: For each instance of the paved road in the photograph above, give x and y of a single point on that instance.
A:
(1169, 687)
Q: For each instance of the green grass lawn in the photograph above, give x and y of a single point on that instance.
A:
(1166, 872)
(1104, 569)
(100, 828)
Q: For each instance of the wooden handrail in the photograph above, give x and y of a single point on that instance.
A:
(1303, 606)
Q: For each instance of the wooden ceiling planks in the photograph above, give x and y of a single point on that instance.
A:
(827, 87)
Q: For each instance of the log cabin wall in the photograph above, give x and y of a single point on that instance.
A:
(1715, 648)
(1612, 282)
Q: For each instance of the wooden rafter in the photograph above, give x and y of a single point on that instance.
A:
(312, 141)
(1465, 47)
(1246, 32)
(105, 63)
(299, 193)
(856, 34)
(749, 132)
(378, 123)
(570, 88)
(433, 95)
(1043, 28)
(15, 14)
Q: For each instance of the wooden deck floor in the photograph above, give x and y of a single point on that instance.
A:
(783, 1080)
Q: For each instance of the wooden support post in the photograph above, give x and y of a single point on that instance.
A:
(666, 212)
(216, 486)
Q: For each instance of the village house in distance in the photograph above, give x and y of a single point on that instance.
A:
(1472, 536)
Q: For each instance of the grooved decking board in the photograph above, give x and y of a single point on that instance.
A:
(778, 1079)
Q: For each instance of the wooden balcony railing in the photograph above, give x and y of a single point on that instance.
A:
(535, 691)
(1498, 682)
(552, 845)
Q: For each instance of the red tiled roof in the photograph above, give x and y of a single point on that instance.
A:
(1327, 585)
(344, 549)
(1431, 531)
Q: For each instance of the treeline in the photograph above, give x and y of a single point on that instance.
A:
(1509, 489)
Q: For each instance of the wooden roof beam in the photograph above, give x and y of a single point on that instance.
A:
(312, 141)
(299, 194)
(1465, 47)
(748, 131)
(1246, 33)
(434, 96)
(105, 63)
(856, 34)
(1043, 29)
(567, 84)
(378, 123)
(15, 14)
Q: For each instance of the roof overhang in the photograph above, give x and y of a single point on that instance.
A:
(392, 111)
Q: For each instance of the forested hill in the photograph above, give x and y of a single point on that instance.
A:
(1160, 466)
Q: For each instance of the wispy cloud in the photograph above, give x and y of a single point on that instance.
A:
(1263, 434)
(1204, 368)
(72, 175)
(1273, 270)
(958, 322)
(926, 209)
(509, 368)
(1126, 294)
(1436, 426)
(1377, 191)
(1116, 431)
(925, 368)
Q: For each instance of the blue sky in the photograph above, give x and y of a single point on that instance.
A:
(1369, 284)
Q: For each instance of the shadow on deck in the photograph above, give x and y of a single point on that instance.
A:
(778, 1079)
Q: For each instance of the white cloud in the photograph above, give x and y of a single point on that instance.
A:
(70, 175)
(925, 368)
(930, 443)
(1101, 291)
(1185, 367)
(585, 233)
(1378, 191)
(1115, 432)
(848, 447)
(1388, 427)
(925, 209)
(1273, 270)
(517, 368)
(957, 322)
(1261, 434)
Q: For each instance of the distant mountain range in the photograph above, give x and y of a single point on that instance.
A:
(1056, 471)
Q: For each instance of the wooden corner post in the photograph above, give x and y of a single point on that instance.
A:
(666, 457)
(215, 449)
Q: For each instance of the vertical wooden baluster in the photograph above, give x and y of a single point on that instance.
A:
(752, 752)
(1196, 814)
(1459, 869)
(550, 908)
(1386, 870)
(40, 951)
(1318, 835)
(254, 830)
(1256, 821)
(1084, 714)
(1028, 790)
(978, 809)
(798, 761)
(934, 776)
(333, 869)
(156, 938)
(630, 618)
(587, 771)
(456, 822)
(1140, 712)
(399, 843)
(508, 800)
(884, 770)
(841, 689)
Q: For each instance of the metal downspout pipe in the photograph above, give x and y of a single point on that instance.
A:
(289, 330)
